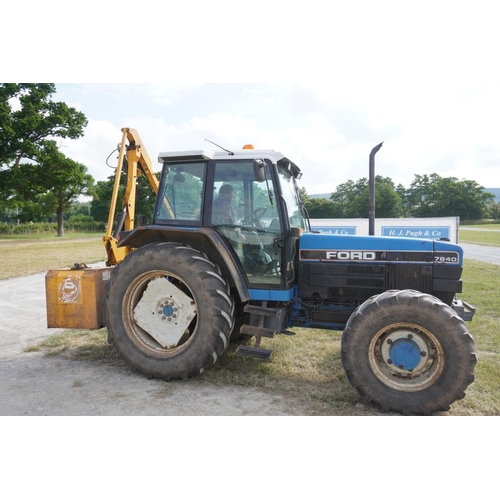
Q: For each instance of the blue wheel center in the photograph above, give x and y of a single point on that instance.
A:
(168, 310)
(405, 354)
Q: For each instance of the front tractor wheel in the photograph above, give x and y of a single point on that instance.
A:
(168, 311)
(408, 352)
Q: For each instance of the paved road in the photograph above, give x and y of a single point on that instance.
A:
(481, 253)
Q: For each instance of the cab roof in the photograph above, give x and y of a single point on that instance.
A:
(200, 154)
(242, 154)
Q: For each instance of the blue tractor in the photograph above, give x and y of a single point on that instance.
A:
(229, 254)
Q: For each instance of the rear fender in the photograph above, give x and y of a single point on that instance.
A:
(204, 239)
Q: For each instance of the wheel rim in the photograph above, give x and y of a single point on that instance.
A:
(406, 357)
(145, 297)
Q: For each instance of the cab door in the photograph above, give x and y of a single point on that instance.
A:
(245, 211)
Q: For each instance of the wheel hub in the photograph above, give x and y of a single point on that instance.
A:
(405, 351)
(165, 312)
(404, 354)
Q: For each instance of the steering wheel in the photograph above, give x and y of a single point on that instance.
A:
(254, 217)
(186, 211)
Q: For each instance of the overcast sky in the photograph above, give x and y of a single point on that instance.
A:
(421, 77)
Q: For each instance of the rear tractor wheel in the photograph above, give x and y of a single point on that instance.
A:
(168, 311)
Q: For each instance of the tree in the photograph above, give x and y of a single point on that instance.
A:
(494, 210)
(343, 197)
(303, 195)
(353, 198)
(80, 208)
(30, 164)
(27, 130)
(101, 203)
(51, 185)
(405, 200)
(319, 208)
(436, 196)
(421, 195)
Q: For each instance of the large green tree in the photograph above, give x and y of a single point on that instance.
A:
(32, 171)
(29, 118)
(353, 198)
(436, 196)
(51, 185)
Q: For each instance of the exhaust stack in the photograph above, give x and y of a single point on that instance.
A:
(371, 216)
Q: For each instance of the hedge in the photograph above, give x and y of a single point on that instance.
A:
(51, 227)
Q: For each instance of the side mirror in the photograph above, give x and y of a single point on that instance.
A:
(259, 169)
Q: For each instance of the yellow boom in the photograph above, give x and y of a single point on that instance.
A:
(137, 161)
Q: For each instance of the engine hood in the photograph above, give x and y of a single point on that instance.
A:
(330, 247)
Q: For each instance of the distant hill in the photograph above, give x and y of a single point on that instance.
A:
(495, 191)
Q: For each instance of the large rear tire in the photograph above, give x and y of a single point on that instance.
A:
(168, 311)
(408, 352)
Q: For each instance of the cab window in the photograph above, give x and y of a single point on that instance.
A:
(181, 193)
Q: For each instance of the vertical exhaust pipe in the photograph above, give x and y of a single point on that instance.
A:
(371, 216)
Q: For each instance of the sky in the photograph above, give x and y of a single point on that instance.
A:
(422, 78)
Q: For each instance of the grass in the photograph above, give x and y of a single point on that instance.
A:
(481, 226)
(87, 345)
(305, 366)
(480, 235)
(35, 254)
(482, 289)
(30, 238)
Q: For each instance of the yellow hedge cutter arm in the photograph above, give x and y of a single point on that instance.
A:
(137, 161)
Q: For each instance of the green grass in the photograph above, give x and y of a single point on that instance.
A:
(480, 235)
(89, 345)
(305, 366)
(24, 255)
(68, 235)
(482, 289)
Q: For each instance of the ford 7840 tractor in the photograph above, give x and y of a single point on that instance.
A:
(229, 253)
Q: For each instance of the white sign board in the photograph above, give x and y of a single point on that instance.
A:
(433, 228)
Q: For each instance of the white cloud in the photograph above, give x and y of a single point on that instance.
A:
(92, 150)
(325, 128)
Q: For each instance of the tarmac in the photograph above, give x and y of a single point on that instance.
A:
(491, 255)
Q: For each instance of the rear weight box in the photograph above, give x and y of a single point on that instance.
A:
(73, 297)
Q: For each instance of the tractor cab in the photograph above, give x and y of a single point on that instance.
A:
(249, 197)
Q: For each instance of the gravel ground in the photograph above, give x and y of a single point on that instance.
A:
(34, 384)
